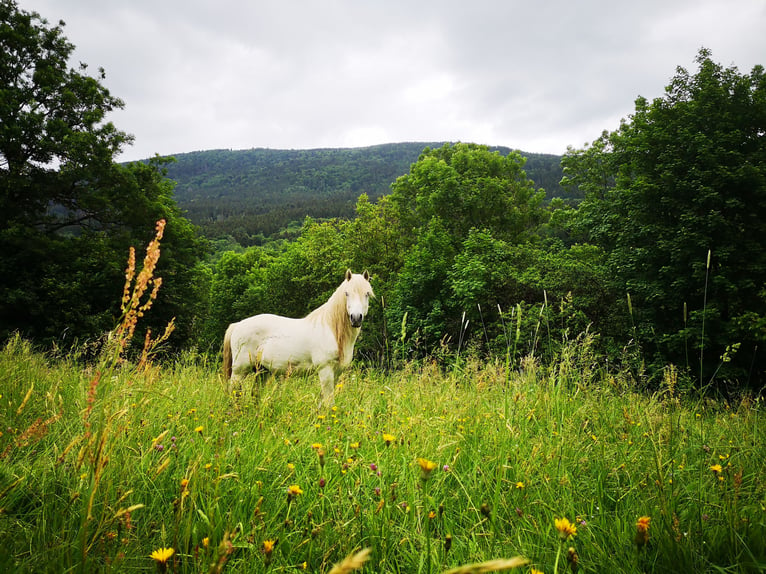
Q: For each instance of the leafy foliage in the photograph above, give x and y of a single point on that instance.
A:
(68, 213)
(685, 177)
(449, 193)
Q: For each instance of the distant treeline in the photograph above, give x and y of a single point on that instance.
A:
(251, 195)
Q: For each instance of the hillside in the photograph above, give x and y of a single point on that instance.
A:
(253, 194)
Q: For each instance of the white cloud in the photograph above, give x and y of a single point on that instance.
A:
(300, 73)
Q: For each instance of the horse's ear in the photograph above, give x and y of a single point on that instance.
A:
(366, 275)
(348, 274)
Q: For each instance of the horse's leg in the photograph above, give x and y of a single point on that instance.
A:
(234, 384)
(260, 379)
(239, 371)
(327, 380)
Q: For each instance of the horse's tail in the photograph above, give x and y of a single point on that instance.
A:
(227, 354)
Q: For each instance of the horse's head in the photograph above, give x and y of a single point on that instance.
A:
(358, 292)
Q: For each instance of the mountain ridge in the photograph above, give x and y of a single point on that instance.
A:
(254, 194)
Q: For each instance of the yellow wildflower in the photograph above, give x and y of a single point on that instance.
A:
(426, 468)
(162, 555)
(199, 429)
(642, 531)
(389, 438)
(268, 548)
(717, 468)
(566, 529)
(293, 491)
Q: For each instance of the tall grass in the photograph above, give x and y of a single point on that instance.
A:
(180, 464)
(473, 469)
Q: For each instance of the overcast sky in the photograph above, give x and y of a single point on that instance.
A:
(531, 75)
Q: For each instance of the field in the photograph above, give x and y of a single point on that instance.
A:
(429, 467)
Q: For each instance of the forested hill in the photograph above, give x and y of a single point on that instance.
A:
(253, 194)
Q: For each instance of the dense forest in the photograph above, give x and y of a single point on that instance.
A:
(651, 252)
(251, 195)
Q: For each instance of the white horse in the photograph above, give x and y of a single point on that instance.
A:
(322, 341)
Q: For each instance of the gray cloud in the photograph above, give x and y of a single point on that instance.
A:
(299, 74)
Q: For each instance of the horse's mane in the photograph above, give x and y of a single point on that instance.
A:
(333, 313)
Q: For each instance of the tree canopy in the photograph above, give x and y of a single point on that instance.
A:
(677, 198)
(68, 212)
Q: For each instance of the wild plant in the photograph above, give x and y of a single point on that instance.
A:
(107, 405)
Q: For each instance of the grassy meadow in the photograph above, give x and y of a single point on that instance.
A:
(430, 469)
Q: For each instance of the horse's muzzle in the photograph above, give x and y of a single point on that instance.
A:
(356, 319)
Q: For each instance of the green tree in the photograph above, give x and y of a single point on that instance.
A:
(68, 212)
(422, 293)
(468, 186)
(236, 291)
(561, 292)
(447, 193)
(685, 176)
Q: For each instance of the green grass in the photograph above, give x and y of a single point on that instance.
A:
(94, 463)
